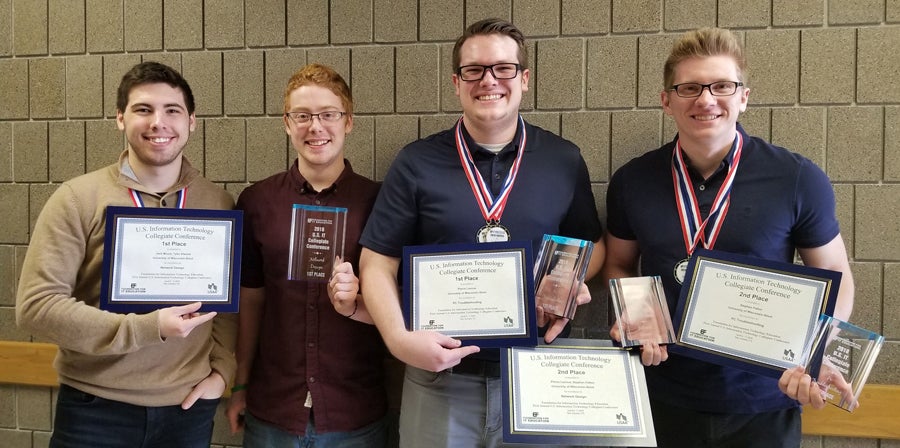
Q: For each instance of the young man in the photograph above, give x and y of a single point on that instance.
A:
(310, 364)
(427, 198)
(127, 380)
(778, 202)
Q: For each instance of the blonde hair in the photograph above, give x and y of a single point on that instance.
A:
(705, 42)
(322, 76)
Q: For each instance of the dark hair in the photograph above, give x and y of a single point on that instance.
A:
(152, 73)
(322, 76)
(492, 26)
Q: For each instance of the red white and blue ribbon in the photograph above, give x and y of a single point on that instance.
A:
(139, 202)
(491, 208)
(694, 230)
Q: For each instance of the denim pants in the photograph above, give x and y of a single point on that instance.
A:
(259, 434)
(88, 421)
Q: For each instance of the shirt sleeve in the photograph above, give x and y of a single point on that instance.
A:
(392, 223)
(55, 262)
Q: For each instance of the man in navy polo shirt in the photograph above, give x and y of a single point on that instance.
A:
(538, 183)
(779, 202)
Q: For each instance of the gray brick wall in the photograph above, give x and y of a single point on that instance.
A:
(822, 74)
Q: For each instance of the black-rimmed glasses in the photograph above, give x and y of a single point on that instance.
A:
(475, 72)
(694, 89)
(329, 116)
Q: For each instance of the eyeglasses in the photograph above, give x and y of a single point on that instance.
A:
(475, 72)
(306, 117)
(718, 88)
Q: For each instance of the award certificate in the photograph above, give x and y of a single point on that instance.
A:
(754, 314)
(159, 257)
(481, 293)
(576, 392)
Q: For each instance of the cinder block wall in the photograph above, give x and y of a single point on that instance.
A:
(823, 75)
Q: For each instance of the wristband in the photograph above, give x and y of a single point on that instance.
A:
(238, 388)
(355, 309)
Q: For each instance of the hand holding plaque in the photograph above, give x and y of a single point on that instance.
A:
(840, 358)
(642, 312)
(317, 238)
(559, 273)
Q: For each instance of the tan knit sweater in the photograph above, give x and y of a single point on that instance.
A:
(115, 356)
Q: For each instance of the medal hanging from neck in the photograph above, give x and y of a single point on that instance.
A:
(694, 231)
(139, 202)
(491, 207)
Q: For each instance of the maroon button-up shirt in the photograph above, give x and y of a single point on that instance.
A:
(304, 344)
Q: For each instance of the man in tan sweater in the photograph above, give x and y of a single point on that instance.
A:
(127, 380)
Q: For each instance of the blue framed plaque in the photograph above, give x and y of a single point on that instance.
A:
(159, 257)
(480, 293)
(579, 392)
(753, 314)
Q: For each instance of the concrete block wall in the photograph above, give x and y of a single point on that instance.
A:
(822, 74)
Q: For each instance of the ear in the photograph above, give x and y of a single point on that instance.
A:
(192, 120)
(664, 100)
(526, 74)
(745, 96)
(287, 124)
(120, 120)
(455, 79)
(349, 125)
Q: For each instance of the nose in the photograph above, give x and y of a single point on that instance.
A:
(315, 122)
(706, 95)
(488, 72)
(158, 119)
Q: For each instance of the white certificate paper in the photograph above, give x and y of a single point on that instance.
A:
(586, 395)
(168, 260)
(470, 294)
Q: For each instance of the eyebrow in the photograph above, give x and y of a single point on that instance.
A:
(165, 106)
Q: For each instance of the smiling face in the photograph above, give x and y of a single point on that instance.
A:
(156, 124)
(319, 144)
(707, 122)
(490, 104)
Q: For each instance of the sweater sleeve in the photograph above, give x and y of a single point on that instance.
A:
(58, 290)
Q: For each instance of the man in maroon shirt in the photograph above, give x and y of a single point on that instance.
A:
(310, 364)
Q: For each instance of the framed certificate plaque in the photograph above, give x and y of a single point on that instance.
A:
(480, 293)
(753, 314)
(159, 257)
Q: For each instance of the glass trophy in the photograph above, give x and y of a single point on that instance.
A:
(642, 312)
(840, 359)
(317, 237)
(559, 273)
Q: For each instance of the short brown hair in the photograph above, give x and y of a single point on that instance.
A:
(152, 73)
(322, 76)
(492, 26)
(705, 42)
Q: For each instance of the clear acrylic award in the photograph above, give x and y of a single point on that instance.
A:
(559, 273)
(317, 237)
(840, 359)
(642, 312)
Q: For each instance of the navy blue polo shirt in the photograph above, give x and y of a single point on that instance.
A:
(426, 198)
(780, 201)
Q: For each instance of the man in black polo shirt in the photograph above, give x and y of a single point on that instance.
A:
(535, 183)
(751, 198)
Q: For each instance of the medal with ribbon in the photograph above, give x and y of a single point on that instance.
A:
(694, 230)
(491, 207)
